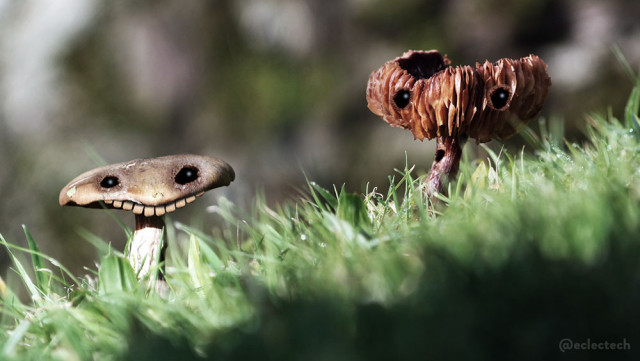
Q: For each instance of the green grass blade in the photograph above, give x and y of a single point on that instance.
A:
(102, 247)
(203, 249)
(329, 199)
(43, 276)
(116, 275)
(95, 157)
(631, 110)
(51, 260)
(9, 298)
(617, 52)
(34, 291)
(352, 209)
(196, 269)
(15, 337)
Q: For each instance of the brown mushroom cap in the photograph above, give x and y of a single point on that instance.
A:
(152, 186)
(421, 92)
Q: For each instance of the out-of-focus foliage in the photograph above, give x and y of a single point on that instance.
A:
(271, 86)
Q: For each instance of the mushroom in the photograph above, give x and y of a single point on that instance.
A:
(150, 188)
(421, 92)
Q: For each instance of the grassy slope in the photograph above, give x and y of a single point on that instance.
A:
(528, 250)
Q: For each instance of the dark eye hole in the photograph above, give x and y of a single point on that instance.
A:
(499, 98)
(402, 98)
(109, 182)
(187, 175)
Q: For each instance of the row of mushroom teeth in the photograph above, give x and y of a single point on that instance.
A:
(149, 211)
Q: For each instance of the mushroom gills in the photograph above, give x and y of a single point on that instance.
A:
(149, 211)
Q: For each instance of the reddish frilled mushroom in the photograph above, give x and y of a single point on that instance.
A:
(421, 92)
(150, 188)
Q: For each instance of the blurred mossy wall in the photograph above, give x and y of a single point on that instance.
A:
(272, 86)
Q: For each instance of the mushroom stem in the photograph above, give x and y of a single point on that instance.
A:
(445, 165)
(146, 249)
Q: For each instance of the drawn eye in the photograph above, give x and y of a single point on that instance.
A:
(499, 98)
(187, 175)
(402, 98)
(109, 182)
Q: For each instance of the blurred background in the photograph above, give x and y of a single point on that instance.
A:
(274, 87)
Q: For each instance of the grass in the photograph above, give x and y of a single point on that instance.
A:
(526, 250)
